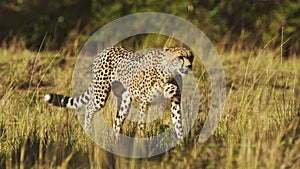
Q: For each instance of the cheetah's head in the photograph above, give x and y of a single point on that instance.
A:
(179, 60)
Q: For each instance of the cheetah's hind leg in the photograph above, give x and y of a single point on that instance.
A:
(142, 119)
(124, 104)
(123, 107)
(97, 102)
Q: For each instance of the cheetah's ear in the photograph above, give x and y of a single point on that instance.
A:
(166, 49)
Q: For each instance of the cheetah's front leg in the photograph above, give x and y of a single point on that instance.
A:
(172, 91)
(176, 116)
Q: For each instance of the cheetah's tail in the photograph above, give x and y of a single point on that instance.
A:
(66, 101)
(59, 100)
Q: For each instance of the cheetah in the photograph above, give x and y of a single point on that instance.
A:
(132, 76)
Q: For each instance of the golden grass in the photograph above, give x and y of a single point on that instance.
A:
(259, 128)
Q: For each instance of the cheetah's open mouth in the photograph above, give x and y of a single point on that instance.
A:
(183, 72)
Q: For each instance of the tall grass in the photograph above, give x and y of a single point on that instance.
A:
(259, 129)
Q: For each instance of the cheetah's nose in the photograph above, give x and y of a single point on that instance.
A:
(189, 67)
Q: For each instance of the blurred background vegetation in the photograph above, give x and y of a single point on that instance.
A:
(229, 24)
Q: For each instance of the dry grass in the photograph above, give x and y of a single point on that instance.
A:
(259, 129)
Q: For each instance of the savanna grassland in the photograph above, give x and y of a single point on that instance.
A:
(259, 46)
(260, 127)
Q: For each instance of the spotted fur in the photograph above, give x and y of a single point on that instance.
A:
(133, 76)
